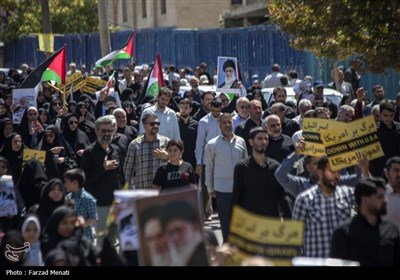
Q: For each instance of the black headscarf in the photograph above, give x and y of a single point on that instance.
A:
(40, 112)
(13, 238)
(3, 124)
(14, 158)
(31, 182)
(76, 139)
(46, 204)
(88, 125)
(58, 141)
(52, 113)
(51, 237)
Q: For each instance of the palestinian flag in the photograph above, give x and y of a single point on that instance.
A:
(126, 52)
(109, 82)
(52, 69)
(156, 79)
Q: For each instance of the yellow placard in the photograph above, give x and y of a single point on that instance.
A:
(351, 143)
(92, 83)
(77, 80)
(46, 42)
(258, 235)
(312, 128)
(36, 154)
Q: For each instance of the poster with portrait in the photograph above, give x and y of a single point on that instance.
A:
(228, 75)
(128, 236)
(113, 94)
(23, 98)
(170, 230)
(8, 201)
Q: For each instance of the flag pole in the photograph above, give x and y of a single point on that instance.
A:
(64, 97)
(54, 87)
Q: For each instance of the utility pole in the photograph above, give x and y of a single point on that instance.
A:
(103, 23)
(46, 22)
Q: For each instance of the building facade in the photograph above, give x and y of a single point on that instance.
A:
(200, 14)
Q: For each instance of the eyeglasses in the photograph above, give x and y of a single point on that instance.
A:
(244, 107)
(49, 135)
(154, 123)
(56, 104)
(104, 131)
(73, 122)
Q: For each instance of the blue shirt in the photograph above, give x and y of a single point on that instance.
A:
(294, 185)
(86, 207)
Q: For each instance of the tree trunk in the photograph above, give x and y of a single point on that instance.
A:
(103, 23)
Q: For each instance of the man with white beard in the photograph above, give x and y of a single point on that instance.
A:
(104, 174)
(229, 69)
(185, 236)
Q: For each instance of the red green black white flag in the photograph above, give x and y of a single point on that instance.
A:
(126, 52)
(52, 69)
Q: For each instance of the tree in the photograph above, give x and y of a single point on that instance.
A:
(23, 17)
(340, 29)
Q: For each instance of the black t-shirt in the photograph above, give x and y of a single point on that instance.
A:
(172, 176)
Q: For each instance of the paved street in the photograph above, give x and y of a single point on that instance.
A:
(215, 226)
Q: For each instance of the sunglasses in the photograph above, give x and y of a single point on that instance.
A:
(73, 122)
(154, 123)
(49, 135)
(104, 131)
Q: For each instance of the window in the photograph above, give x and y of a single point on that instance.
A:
(163, 7)
(144, 9)
(124, 11)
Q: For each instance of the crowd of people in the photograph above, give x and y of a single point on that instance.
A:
(241, 151)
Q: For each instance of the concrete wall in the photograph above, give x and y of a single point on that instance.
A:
(179, 13)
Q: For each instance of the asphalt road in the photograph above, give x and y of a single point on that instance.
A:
(215, 226)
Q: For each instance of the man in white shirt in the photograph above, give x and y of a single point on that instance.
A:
(166, 116)
(392, 173)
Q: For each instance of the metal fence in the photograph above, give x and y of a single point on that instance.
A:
(257, 49)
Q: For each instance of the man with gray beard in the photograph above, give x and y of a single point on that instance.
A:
(104, 174)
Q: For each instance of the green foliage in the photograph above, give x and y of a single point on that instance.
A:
(339, 29)
(67, 16)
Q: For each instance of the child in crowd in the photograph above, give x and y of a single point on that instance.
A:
(86, 207)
